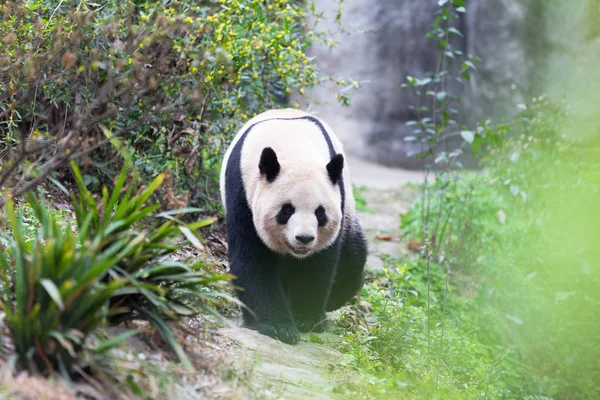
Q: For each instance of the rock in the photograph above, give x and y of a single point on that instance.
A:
(283, 371)
(384, 41)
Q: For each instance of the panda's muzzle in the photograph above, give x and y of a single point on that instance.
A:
(299, 251)
(303, 242)
(305, 239)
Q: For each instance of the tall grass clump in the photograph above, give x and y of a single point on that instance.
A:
(111, 265)
(160, 289)
(53, 294)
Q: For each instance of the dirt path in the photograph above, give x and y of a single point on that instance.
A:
(281, 371)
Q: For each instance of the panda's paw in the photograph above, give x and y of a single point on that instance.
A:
(315, 323)
(283, 332)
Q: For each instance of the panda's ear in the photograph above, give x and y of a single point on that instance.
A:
(335, 167)
(268, 165)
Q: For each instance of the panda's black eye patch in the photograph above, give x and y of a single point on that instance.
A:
(286, 212)
(321, 216)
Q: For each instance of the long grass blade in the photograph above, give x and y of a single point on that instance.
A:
(53, 292)
(114, 341)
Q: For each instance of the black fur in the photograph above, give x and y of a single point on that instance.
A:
(321, 216)
(349, 277)
(284, 215)
(335, 167)
(288, 295)
(268, 165)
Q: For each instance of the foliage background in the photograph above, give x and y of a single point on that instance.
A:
(172, 80)
(500, 298)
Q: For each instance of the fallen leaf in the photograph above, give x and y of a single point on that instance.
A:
(415, 246)
(386, 238)
(365, 305)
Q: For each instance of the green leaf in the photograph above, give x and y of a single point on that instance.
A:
(151, 189)
(186, 210)
(59, 185)
(167, 268)
(117, 189)
(316, 339)
(116, 143)
(182, 309)
(201, 224)
(468, 65)
(193, 239)
(112, 342)
(455, 31)
(64, 342)
(53, 292)
(477, 145)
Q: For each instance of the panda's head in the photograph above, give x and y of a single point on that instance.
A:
(297, 211)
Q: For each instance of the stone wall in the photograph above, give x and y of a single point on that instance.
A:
(384, 41)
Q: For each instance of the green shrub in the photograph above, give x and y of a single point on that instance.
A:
(172, 79)
(112, 265)
(544, 281)
(158, 287)
(53, 296)
(520, 242)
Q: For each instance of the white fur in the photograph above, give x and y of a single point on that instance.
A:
(303, 154)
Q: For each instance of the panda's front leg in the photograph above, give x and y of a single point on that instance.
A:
(262, 292)
(309, 284)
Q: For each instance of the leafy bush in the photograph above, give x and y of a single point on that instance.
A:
(158, 287)
(418, 339)
(543, 280)
(500, 300)
(519, 243)
(53, 296)
(69, 280)
(172, 80)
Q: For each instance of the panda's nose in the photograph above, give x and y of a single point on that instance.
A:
(305, 239)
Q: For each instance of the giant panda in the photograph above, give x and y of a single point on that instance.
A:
(295, 245)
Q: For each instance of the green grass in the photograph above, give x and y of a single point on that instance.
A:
(361, 202)
(390, 348)
(505, 305)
